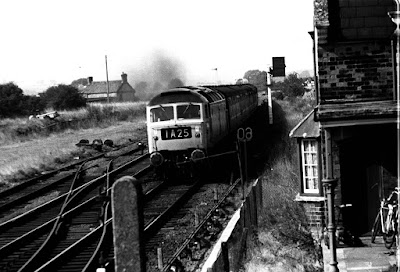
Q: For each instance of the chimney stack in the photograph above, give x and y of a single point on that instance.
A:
(124, 77)
(90, 80)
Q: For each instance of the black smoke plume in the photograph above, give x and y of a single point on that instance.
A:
(159, 72)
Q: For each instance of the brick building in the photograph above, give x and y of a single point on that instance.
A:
(351, 136)
(115, 91)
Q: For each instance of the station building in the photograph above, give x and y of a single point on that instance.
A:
(349, 141)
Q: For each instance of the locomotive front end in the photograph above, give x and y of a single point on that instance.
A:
(177, 131)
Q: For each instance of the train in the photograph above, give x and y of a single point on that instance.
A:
(185, 124)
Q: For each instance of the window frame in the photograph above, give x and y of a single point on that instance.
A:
(315, 191)
(180, 118)
(159, 107)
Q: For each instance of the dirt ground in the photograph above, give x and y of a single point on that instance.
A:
(41, 152)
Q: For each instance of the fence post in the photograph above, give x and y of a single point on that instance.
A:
(160, 258)
(259, 194)
(225, 256)
(242, 248)
(248, 212)
(255, 203)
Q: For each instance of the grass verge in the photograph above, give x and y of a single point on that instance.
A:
(284, 241)
(93, 116)
(32, 152)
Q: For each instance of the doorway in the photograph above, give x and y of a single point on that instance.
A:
(367, 171)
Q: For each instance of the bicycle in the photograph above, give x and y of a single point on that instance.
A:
(391, 220)
(387, 219)
(379, 225)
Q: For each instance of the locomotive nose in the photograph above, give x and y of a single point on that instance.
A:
(156, 159)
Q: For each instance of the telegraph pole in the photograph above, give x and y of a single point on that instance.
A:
(108, 85)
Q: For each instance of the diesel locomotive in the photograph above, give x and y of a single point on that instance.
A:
(184, 124)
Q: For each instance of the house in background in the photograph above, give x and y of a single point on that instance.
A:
(349, 141)
(115, 90)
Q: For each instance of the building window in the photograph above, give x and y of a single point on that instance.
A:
(309, 164)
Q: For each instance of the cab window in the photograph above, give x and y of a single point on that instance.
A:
(188, 111)
(161, 113)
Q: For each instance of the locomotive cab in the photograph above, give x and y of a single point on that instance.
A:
(184, 125)
(176, 127)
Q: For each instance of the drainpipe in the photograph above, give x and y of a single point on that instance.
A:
(395, 16)
(316, 88)
(330, 183)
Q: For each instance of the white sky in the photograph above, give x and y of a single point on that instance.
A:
(54, 42)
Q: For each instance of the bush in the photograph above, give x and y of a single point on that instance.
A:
(63, 97)
(292, 86)
(33, 105)
(11, 100)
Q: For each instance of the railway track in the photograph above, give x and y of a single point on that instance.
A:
(24, 235)
(188, 251)
(19, 198)
(73, 232)
(96, 248)
(82, 246)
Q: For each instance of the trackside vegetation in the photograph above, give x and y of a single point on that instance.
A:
(28, 147)
(284, 241)
(94, 115)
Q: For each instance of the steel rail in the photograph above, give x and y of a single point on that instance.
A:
(19, 218)
(106, 231)
(107, 211)
(55, 221)
(29, 182)
(31, 263)
(151, 228)
(53, 235)
(174, 257)
(76, 247)
(31, 193)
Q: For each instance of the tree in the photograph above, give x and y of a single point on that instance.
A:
(63, 97)
(33, 105)
(79, 82)
(292, 85)
(257, 78)
(11, 100)
(242, 81)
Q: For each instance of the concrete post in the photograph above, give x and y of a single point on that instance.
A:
(127, 209)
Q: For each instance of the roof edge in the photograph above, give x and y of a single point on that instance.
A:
(301, 123)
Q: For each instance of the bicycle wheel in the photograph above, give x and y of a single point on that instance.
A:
(390, 238)
(375, 228)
